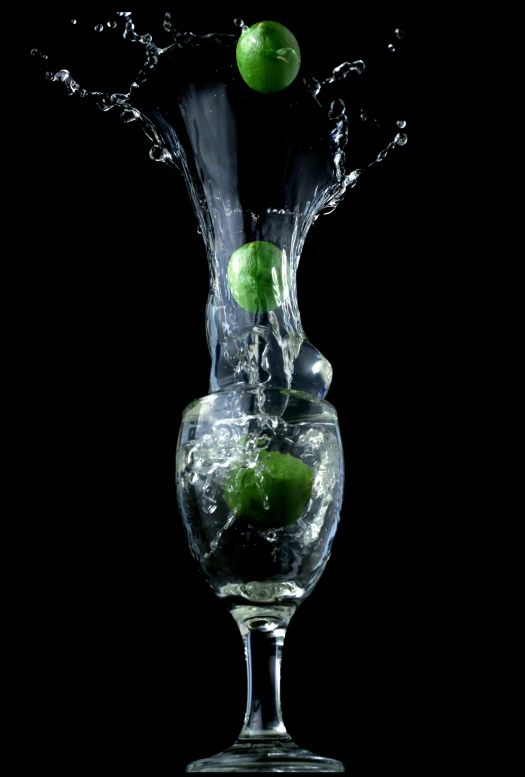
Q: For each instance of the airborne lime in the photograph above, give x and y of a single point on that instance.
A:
(268, 57)
(273, 493)
(255, 276)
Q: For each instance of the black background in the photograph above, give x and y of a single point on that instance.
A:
(128, 657)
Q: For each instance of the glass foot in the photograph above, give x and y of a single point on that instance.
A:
(265, 757)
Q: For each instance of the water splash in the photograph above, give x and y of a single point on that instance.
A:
(201, 134)
(186, 40)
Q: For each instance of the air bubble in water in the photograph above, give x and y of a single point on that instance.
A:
(390, 47)
(401, 124)
(99, 27)
(241, 24)
(400, 139)
(399, 33)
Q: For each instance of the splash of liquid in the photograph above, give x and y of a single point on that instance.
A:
(123, 101)
(203, 132)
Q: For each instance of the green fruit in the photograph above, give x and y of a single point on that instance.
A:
(273, 493)
(268, 57)
(255, 276)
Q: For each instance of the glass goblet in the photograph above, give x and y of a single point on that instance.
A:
(259, 486)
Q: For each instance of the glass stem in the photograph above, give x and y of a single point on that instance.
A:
(263, 635)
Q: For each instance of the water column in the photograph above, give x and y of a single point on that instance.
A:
(257, 168)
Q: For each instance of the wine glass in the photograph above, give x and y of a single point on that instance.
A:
(259, 486)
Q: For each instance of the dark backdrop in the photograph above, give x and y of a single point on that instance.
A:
(126, 648)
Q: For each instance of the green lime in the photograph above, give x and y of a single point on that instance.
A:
(255, 276)
(273, 493)
(268, 57)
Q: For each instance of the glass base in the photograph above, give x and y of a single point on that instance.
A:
(260, 756)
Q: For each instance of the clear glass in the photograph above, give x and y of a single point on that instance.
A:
(261, 572)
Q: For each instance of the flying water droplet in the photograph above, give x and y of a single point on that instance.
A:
(128, 115)
(363, 116)
(130, 33)
(99, 27)
(159, 154)
(37, 53)
(401, 124)
(390, 47)
(112, 25)
(73, 21)
(337, 109)
(399, 33)
(351, 179)
(400, 139)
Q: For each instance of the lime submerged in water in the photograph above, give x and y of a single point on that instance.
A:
(273, 493)
(255, 276)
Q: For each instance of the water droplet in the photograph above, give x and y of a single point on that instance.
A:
(130, 34)
(337, 109)
(73, 21)
(158, 154)
(363, 116)
(352, 177)
(128, 115)
(99, 27)
(112, 25)
(34, 52)
(401, 124)
(400, 139)
(124, 13)
(390, 47)
(399, 33)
